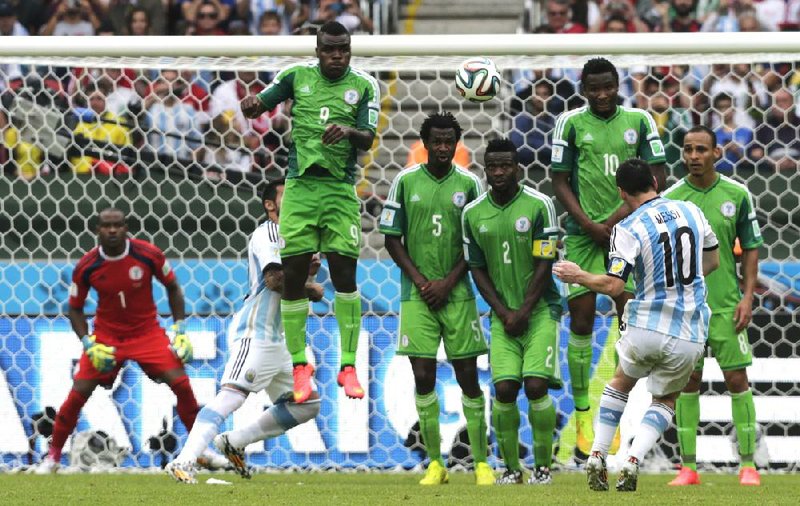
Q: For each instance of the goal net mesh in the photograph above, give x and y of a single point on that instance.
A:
(163, 139)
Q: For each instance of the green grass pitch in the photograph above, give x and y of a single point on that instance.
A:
(375, 489)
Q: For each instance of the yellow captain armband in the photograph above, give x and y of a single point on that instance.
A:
(544, 248)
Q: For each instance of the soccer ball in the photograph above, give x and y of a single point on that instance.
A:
(477, 79)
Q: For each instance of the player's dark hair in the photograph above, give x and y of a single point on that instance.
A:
(332, 28)
(271, 14)
(599, 66)
(501, 145)
(439, 120)
(635, 177)
(112, 209)
(719, 97)
(270, 190)
(704, 129)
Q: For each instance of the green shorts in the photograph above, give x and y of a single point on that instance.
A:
(732, 350)
(582, 250)
(457, 324)
(534, 354)
(319, 215)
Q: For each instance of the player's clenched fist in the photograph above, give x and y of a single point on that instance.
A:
(181, 345)
(567, 271)
(101, 355)
(252, 107)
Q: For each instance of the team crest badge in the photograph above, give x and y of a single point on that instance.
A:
(351, 96)
(631, 136)
(135, 273)
(459, 199)
(250, 375)
(728, 209)
(522, 224)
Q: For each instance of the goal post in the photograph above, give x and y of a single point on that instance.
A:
(167, 146)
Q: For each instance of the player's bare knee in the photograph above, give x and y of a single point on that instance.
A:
(667, 399)
(466, 370)
(343, 272)
(736, 381)
(506, 391)
(535, 388)
(693, 385)
(424, 370)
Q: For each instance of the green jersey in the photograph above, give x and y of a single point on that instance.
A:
(426, 212)
(510, 240)
(728, 207)
(591, 148)
(352, 100)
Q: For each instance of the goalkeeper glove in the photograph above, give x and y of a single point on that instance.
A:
(181, 345)
(101, 355)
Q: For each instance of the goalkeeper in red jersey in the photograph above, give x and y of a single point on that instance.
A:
(121, 269)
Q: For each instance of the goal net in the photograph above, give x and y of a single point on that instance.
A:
(162, 138)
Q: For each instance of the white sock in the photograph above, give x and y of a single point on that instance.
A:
(656, 420)
(274, 421)
(612, 404)
(208, 422)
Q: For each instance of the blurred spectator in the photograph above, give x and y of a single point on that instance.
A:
(96, 123)
(739, 82)
(290, 12)
(346, 12)
(418, 154)
(73, 17)
(619, 10)
(9, 72)
(531, 127)
(270, 23)
(559, 16)
(615, 24)
(733, 137)
(748, 22)
(121, 98)
(138, 17)
(191, 9)
(183, 86)
(772, 14)
(778, 137)
(725, 18)
(173, 126)
(260, 136)
(682, 18)
(31, 14)
(206, 20)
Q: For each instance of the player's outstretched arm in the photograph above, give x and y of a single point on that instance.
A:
(744, 309)
(599, 232)
(569, 272)
(710, 261)
(252, 107)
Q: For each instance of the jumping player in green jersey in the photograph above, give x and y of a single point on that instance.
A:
(589, 143)
(728, 207)
(510, 236)
(422, 223)
(334, 114)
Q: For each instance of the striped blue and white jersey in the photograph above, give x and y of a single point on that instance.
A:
(662, 243)
(260, 317)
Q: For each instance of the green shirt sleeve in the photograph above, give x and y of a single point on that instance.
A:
(564, 152)
(747, 228)
(393, 217)
(369, 107)
(280, 89)
(651, 149)
(473, 253)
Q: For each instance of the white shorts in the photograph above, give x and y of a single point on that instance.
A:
(666, 360)
(257, 364)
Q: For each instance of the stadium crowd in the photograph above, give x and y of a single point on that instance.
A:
(191, 121)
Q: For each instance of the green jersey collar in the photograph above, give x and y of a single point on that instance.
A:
(513, 199)
(617, 112)
(703, 190)
(424, 167)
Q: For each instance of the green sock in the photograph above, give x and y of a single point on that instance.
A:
(744, 419)
(475, 413)
(294, 314)
(687, 418)
(505, 419)
(579, 358)
(347, 307)
(542, 414)
(428, 411)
